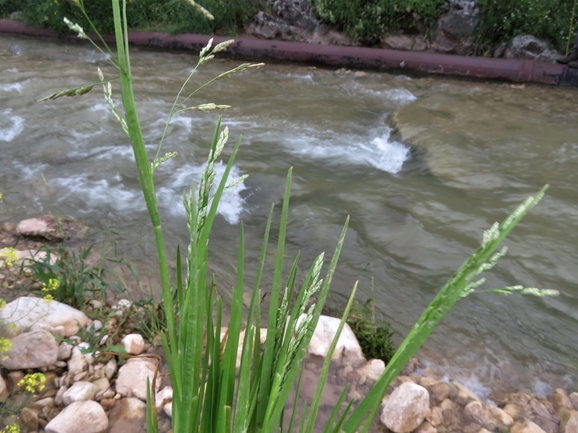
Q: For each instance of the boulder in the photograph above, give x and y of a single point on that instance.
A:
(128, 416)
(455, 30)
(31, 350)
(64, 351)
(133, 344)
(526, 427)
(3, 389)
(406, 408)
(80, 391)
(438, 392)
(82, 416)
(48, 228)
(347, 350)
(132, 378)
(531, 48)
(435, 416)
(29, 418)
(26, 311)
(502, 416)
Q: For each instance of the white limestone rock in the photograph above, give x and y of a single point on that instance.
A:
(371, 370)
(79, 362)
(64, 351)
(110, 368)
(481, 414)
(24, 312)
(347, 351)
(31, 350)
(128, 416)
(80, 391)
(164, 397)
(526, 427)
(406, 408)
(82, 416)
(133, 344)
(132, 378)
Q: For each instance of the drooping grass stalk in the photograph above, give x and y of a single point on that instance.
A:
(460, 285)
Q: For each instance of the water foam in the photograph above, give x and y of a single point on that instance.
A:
(10, 126)
(181, 180)
(11, 87)
(378, 152)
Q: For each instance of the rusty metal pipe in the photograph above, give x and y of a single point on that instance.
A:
(351, 57)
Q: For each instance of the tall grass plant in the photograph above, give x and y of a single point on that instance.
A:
(218, 388)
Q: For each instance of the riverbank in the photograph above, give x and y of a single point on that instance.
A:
(513, 70)
(99, 365)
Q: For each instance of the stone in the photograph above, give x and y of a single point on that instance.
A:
(110, 368)
(450, 412)
(435, 416)
(504, 418)
(514, 410)
(24, 312)
(426, 427)
(48, 228)
(103, 384)
(574, 399)
(29, 418)
(438, 392)
(82, 416)
(31, 350)
(481, 414)
(163, 397)
(80, 391)
(78, 362)
(455, 30)
(3, 389)
(526, 427)
(561, 402)
(531, 48)
(128, 416)
(461, 394)
(406, 408)
(371, 370)
(132, 378)
(569, 421)
(403, 42)
(168, 409)
(64, 351)
(347, 350)
(108, 403)
(133, 343)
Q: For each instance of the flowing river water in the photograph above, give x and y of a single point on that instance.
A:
(422, 164)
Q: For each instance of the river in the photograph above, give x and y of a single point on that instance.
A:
(422, 164)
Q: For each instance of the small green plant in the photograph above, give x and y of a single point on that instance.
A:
(68, 276)
(374, 338)
(367, 20)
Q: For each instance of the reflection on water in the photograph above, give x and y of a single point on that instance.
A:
(422, 165)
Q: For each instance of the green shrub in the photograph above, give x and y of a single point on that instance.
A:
(171, 16)
(546, 19)
(367, 20)
(373, 337)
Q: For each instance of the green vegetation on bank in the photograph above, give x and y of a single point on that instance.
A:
(171, 16)
(364, 20)
(548, 20)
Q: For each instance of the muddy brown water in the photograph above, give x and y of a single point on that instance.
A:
(422, 165)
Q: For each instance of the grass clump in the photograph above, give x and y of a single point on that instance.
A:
(375, 339)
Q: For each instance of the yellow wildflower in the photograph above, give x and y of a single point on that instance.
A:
(48, 297)
(53, 284)
(0, 197)
(2, 303)
(33, 382)
(5, 344)
(10, 256)
(11, 428)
